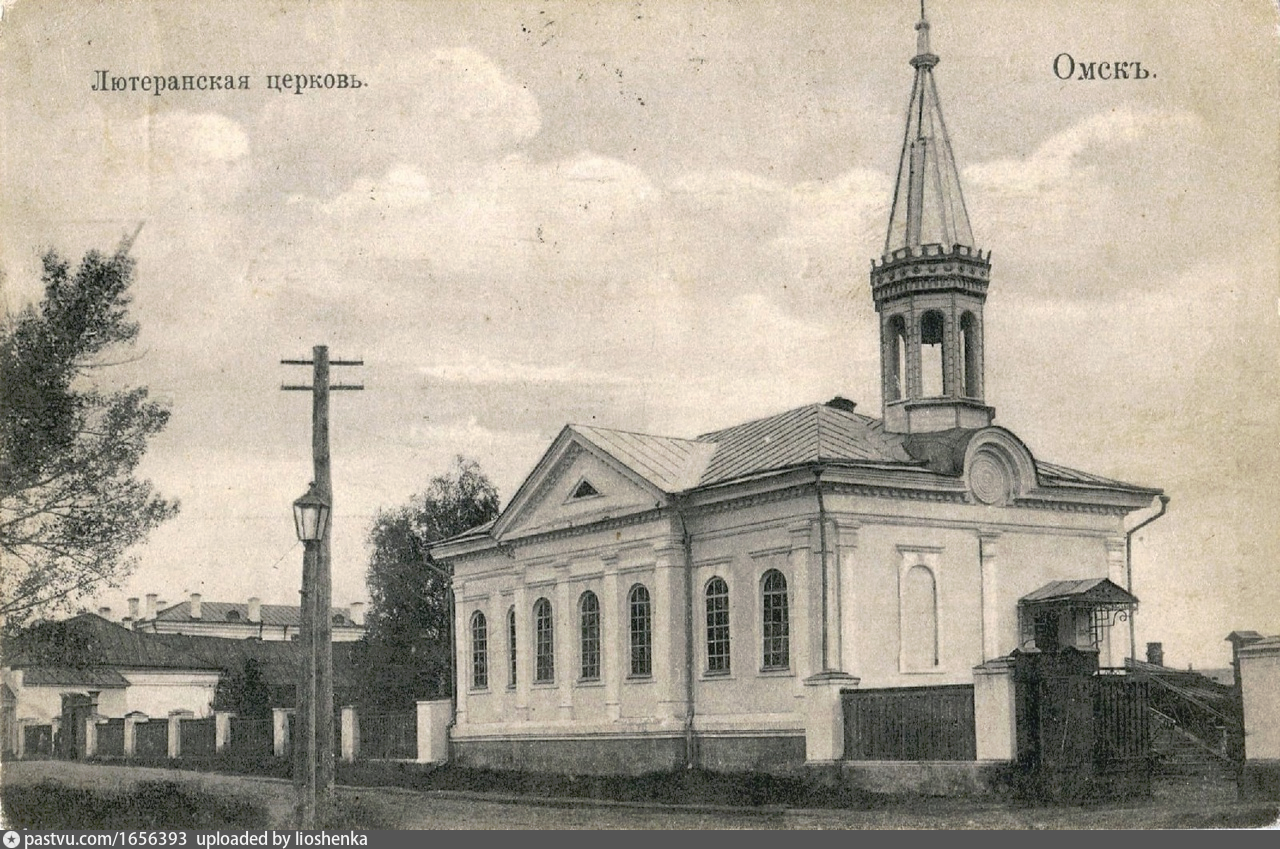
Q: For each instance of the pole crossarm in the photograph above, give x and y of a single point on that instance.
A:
(290, 387)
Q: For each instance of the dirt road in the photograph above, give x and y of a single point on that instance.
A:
(1184, 806)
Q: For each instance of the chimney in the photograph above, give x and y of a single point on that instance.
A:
(133, 608)
(1155, 654)
(357, 613)
(195, 606)
(255, 609)
(151, 606)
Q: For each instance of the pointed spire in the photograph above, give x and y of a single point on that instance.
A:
(928, 207)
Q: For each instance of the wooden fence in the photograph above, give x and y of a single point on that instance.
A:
(910, 724)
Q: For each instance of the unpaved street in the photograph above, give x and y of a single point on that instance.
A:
(1175, 805)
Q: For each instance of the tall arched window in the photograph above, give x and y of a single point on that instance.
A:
(479, 652)
(717, 594)
(897, 362)
(511, 646)
(919, 625)
(544, 642)
(932, 334)
(589, 610)
(969, 342)
(641, 615)
(775, 625)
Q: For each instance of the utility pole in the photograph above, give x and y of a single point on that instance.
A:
(314, 744)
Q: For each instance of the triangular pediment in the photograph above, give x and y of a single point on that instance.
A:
(575, 483)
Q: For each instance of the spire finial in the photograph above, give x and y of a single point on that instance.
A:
(922, 37)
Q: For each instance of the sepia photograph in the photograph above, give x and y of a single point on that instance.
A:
(637, 414)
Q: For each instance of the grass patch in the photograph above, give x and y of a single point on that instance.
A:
(148, 804)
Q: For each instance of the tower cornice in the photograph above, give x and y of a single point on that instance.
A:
(930, 268)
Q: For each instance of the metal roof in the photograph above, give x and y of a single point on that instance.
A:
(275, 615)
(1101, 590)
(810, 434)
(112, 645)
(670, 464)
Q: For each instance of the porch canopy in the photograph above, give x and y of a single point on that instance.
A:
(1097, 601)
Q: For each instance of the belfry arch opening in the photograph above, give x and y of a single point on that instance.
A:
(896, 384)
(932, 356)
(969, 363)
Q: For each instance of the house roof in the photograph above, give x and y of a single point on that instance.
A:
(830, 432)
(277, 659)
(670, 464)
(111, 645)
(274, 615)
(827, 433)
(1087, 590)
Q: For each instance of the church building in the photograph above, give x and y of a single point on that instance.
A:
(649, 602)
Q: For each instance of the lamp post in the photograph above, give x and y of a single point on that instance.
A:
(311, 520)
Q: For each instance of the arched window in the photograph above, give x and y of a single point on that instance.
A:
(589, 608)
(233, 616)
(969, 342)
(479, 652)
(641, 614)
(511, 646)
(717, 594)
(543, 642)
(897, 362)
(776, 627)
(919, 625)
(932, 333)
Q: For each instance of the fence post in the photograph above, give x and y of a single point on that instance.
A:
(350, 733)
(131, 721)
(175, 731)
(433, 730)
(280, 731)
(221, 730)
(91, 735)
(824, 716)
(1259, 664)
(994, 710)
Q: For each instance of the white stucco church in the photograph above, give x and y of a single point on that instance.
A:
(647, 602)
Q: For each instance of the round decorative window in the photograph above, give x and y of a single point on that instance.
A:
(989, 480)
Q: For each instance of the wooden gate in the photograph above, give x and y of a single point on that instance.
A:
(1081, 733)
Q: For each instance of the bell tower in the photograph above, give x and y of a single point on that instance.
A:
(931, 283)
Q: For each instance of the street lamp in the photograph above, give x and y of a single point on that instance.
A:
(311, 520)
(311, 516)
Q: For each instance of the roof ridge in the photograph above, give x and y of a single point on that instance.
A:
(633, 432)
(703, 437)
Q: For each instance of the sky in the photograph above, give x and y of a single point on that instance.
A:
(658, 217)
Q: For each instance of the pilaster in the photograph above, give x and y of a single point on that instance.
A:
(614, 656)
(525, 660)
(988, 548)
(568, 663)
(667, 605)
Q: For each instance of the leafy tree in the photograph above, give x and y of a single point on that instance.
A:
(49, 643)
(244, 691)
(70, 505)
(407, 650)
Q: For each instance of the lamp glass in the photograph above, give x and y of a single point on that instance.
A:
(310, 517)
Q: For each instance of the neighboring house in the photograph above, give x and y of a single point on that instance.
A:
(237, 621)
(122, 670)
(646, 602)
